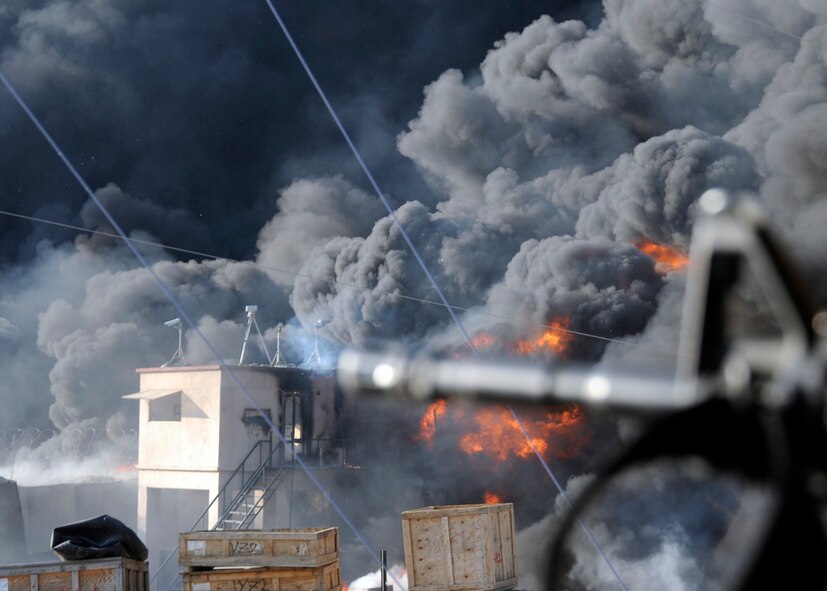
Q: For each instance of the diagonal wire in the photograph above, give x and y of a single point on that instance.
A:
(331, 281)
(427, 272)
(566, 498)
(184, 314)
(751, 20)
(366, 170)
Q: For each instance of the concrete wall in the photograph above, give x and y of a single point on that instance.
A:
(208, 482)
(192, 442)
(186, 457)
(13, 548)
(237, 437)
(209, 435)
(47, 507)
(199, 449)
(173, 511)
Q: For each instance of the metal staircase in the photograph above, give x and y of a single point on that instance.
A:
(244, 495)
(250, 486)
(256, 479)
(242, 511)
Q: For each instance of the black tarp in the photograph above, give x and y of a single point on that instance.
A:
(99, 537)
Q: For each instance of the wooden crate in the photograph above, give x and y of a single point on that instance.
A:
(103, 574)
(460, 547)
(270, 548)
(320, 578)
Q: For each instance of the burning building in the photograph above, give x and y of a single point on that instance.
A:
(209, 459)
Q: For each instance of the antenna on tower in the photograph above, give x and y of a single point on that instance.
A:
(278, 358)
(315, 359)
(178, 357)
(251, 322)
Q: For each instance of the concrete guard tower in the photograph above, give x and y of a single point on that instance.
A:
(201, 441)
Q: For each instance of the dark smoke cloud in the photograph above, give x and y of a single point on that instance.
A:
(313, 212)
(572, 143)
(188, 120)
(602, 287)
(572, 146)
(357, 282)
(167, 225)
(203, 108)
(528, 177)
(651, 193)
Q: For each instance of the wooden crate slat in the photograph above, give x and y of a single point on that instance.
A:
(460, 547)
(508, 542)
(406, 536)
(495, 537)
(265, 548)
(107, 574)
(428, 565)
(322, 578)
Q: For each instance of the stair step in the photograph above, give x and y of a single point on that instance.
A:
(257, 492)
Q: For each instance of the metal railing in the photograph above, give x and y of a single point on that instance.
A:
(254, 481)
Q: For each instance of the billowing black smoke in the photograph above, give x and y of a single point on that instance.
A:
(190, 120)
(529, 184)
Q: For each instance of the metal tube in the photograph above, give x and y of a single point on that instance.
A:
(244, 344)
(422, 377)
(383, 557)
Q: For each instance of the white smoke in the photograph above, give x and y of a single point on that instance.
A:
(661, 528)
(373, 580)
(33, 468)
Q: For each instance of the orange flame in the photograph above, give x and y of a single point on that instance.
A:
(667, 259)
(490, 498)
(427, 424)
(494, 432)
(555, 339)
(498, 435)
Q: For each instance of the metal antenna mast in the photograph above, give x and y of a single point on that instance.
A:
(278, 358)
(315, 359)
(251, 322)
(178, 357)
